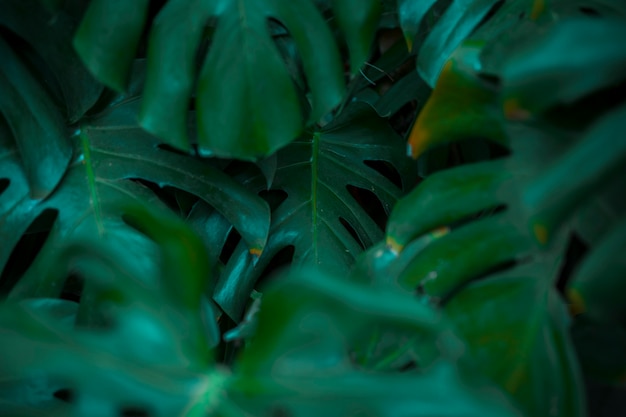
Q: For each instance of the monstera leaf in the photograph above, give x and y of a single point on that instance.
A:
(242, 70)
(320, 217)
(480, 236)
(301, 361)
(110, 149)
(50, 345)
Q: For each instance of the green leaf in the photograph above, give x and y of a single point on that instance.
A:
(547, 65)
(242, 46)
(411, 13)
(447, 197)
(516, 329)
(467, 253)
(108, 37)
(596, 158)
(233, 118)
(166, 373)
(359, 21)
(462, 106)
(50, 35)
(111, 150)
(408, 88)
(36, 124)
(310, 218)
(597, 287)
(456, 24)
(300, 361)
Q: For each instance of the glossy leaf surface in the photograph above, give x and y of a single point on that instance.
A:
(516, 328)
(550, 197)
(547, 65)
(49, 33)
(36, 124)
(598, 286)
(234, 119)
(300, 360)
(317, 204)
(112, 149)
(461, 106)
(456, 24)
(108, 37)
(165, 373)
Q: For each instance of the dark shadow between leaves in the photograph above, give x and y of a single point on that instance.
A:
(27, 249)
(4, 184)
(371, 204)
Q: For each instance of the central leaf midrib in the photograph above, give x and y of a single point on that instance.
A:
(314, 178)
(91, 180)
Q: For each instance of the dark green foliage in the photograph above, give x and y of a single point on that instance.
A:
(139, 266)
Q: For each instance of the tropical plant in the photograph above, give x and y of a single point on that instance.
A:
(207, 207)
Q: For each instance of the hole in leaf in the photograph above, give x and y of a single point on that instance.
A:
(27, 249)
(134, 412)
(576, 250)
(273, 197)
(73, 288)
(172, 149)
(387, 170)
(177, 200)
(371, 204)
(232, 241)
(64, 394)
(352, 232)
(501, 267)
(589, 11)
(4, 184)
(282, 259)
(494, 9)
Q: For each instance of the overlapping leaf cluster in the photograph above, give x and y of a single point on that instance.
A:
(136, 301)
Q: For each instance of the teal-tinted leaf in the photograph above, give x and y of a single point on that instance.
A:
(462, 106)
(242, 46)
(36, 124)
(600, 212)
(381, 264)
(300, 361)
(107, 39)
(140, 157)
(597, 287)
(359, 21)
(175, 37)
(554, 192)
(466, 253)
(129, 296)
(50, 35)
(411, 13)
(233, 118)
(547, 64)
(111, 150)
(315, 172)
(102, 367)
(408, 88)
(447, 197)
(516, 329)
(459, 20)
